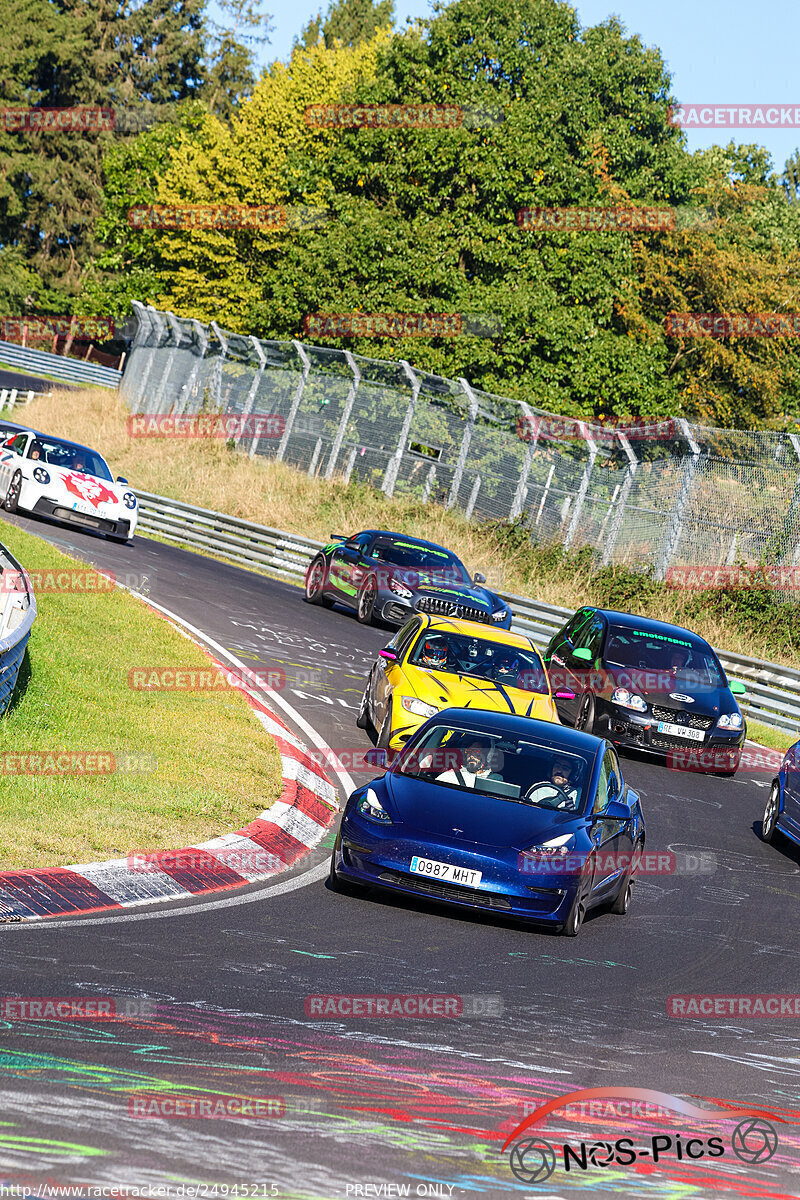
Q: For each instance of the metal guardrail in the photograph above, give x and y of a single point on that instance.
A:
(58, 366)
(17, 614)
(773, 691)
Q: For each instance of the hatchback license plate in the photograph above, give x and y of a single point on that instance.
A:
(431, 869)
(696, 735)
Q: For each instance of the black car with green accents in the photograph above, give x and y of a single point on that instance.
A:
(647, 685)
(388, 577)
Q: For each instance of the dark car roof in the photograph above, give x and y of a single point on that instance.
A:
(53, 437)
(404, 537)
(560, 737)
(629, 621)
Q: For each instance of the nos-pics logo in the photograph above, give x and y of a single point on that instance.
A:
(533, 1160)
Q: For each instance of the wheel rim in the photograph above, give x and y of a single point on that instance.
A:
(367, 602)
(583, 715)
(362, 712)
(770, 813)
(13, 491)
(315, 580)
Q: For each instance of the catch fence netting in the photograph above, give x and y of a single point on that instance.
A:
(668, 495)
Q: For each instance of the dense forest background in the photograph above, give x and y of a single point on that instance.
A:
(417, 220)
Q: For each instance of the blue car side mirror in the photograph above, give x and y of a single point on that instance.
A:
(616, 810)
(376, 758)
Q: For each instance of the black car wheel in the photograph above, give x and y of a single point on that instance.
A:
(580, 905)
(769, 823)
(366, 600)
(315, 583)
(335, 882)
(12, 495)
(362, 720)
(386, 728)
(622, 900)
(585, 717)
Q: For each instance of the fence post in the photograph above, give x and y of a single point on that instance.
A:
(622, 500)
(175, 330)
(351, 462)
(393, 466)
(223, 341)
(312, 466)
(790, 520)
(129, 387)
(473, 496)
(251, 396)
(187, 391)
(675, 528)
(465, 441)
(298, 396)
(346, 413)
(156, 323)
(584, 485)
(518, 502)
(430, 479)
(544, 493)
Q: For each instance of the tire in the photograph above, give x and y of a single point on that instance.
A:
(12, 495)
(385, 732)
(315, 583)
(622, 900)
(367, 595)
(585, 718)
(572, 925)
(769, 823)
(362, 720)
(121, 541)
(337, 884)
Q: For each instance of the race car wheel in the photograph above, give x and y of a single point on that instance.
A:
(585, 717)
(622, 900)
(572, 925)
(366, 600)
(337, 884)
(315, 583)
(769, 823)
(386, 728)
(12, 495)
(362, 720)
(121, 541)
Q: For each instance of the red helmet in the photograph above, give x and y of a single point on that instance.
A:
(433, 654)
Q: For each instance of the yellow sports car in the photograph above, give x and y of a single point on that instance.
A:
(437, 662)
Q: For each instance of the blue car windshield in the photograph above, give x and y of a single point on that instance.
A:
(461, 654)
(507, 766)
(422, 558)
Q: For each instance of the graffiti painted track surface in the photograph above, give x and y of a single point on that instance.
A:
(400, 1100)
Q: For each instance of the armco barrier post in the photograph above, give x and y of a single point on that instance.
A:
(219, 364)
(393, 466)
(347, 412)
(518, 503)
(675, 527)
(465, 441)
(298, 396)
(583, 489)
(622, 499)
(252, 393)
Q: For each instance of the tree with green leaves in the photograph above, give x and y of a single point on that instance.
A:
(351, 21)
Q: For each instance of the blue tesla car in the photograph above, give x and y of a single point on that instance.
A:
(495, 811)
(782, 814)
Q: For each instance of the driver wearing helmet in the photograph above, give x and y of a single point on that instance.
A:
(506, 668)
(433, 654)
(561, 790)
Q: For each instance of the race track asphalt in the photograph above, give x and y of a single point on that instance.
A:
(402, 1101)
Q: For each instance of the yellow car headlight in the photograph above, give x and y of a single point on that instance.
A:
(418, 707)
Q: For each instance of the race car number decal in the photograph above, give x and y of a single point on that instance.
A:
(86, 487)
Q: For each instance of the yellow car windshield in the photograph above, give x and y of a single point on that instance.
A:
(461, 654)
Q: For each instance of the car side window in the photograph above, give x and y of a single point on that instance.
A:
(591, 636)
(601, 799)
(575, 622)
(614, 776)
(403, 639)
(363, 540)
(19, 443)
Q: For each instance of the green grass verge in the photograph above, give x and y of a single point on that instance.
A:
(190, 765)
(765, 735)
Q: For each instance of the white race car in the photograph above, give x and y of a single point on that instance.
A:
(65, 481)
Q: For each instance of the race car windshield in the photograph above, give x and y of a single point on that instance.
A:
(459, 654)
(506, 766)
(54, 453)
(687, 658)
(444, 565)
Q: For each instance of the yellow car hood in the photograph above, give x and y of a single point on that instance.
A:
(446, 690)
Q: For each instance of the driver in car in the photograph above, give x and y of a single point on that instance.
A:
(433, 655)
(475, 765)
(561, 791)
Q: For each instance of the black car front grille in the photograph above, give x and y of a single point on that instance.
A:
(663, 741)
(678, 717)
(435, 606)
(446, 891)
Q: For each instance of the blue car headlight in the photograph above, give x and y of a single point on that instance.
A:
(626, 699)
(129, 500)
(370, 807)
(500, 615)
(40, 475)
(730, 721)
(555, 846)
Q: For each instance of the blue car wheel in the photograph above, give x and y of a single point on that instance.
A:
(769, 824)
